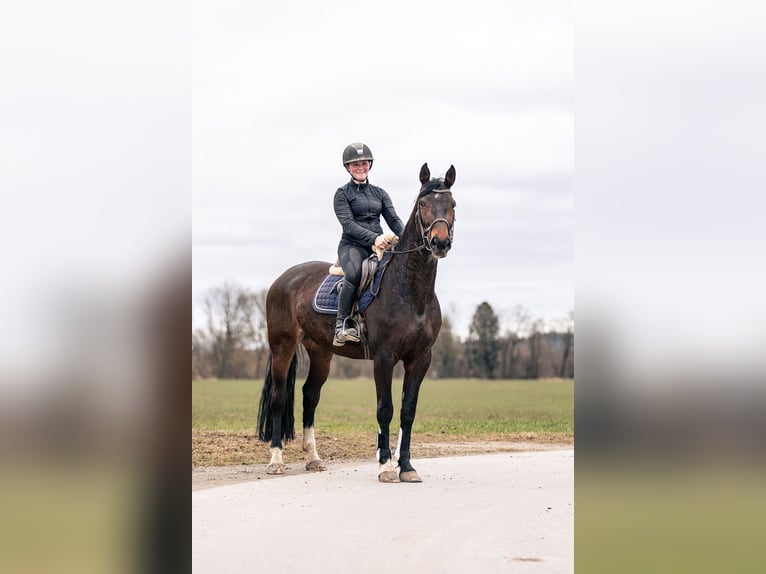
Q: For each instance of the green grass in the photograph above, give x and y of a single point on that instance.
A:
(452, 406)
(636, 515)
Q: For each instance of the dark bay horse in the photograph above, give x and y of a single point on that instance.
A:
(402, 325)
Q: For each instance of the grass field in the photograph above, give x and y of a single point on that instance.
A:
(449, 410)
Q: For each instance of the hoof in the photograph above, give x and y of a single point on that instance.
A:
(388, 476)
(409, 476)
(275, 469)
(316, 465)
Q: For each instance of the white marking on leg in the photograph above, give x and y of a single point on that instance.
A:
(377, 452)
(276, 455)
(310, 445)
(398, 447)
(387, 467)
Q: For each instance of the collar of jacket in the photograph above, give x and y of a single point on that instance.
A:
(357, 184)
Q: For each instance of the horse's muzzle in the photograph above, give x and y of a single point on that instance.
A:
(440, 247)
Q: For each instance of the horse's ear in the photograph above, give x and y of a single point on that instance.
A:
(425, 174)
(449, 179)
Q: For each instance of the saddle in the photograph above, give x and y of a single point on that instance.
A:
(326, 296)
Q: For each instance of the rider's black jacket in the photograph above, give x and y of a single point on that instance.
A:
(358, 207)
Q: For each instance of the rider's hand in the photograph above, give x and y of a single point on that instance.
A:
(381, 242)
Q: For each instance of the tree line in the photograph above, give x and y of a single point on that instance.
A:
(233, 343)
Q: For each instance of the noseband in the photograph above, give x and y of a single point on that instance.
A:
(427, 230)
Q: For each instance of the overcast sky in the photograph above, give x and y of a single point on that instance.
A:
(278, 93)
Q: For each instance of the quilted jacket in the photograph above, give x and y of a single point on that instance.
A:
(358, 207)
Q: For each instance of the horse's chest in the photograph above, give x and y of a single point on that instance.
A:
(420, 332)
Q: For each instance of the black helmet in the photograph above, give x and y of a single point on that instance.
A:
(357, 152)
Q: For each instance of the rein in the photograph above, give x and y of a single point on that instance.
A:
(394, 251)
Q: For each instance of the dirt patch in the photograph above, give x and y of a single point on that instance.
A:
(221, 458)
(218, 448)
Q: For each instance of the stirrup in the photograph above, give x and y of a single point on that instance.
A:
(345, 334)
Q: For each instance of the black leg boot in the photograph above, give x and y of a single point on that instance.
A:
(345, 330)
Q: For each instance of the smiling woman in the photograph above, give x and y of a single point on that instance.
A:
(358, 207)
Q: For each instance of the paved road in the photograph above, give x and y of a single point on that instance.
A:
(511, 512)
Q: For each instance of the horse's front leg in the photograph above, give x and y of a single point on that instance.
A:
(414, 372)
(383, 370)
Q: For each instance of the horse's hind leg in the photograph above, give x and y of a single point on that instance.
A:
(318, 370)
(283, 365)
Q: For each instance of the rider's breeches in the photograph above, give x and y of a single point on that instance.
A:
(351, 258)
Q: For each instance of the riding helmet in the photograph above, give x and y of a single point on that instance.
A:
(356, 152)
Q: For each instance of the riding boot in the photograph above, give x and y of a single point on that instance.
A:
(344, 333)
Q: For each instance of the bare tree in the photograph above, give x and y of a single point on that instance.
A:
(535, 344)
(260, 343)
(232, 327)
(201, 364)
(259, 319)
(517, 329)
(568, 336)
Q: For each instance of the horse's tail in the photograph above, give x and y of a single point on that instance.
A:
(288, 414)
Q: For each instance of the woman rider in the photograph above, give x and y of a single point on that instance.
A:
(358, 207)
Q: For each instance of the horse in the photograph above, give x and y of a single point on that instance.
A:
(402, 325)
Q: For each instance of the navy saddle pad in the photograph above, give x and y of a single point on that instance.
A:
(326, 297)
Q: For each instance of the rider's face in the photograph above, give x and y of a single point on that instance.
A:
(359, 169)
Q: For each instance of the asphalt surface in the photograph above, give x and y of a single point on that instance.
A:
(510, 512)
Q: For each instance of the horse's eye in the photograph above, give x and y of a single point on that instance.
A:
(422, 203)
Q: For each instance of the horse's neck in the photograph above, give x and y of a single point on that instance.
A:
(415, 273)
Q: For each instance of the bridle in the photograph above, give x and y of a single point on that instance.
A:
(424, 231)
(427, 230)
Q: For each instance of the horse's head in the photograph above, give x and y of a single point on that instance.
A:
(436, 211)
